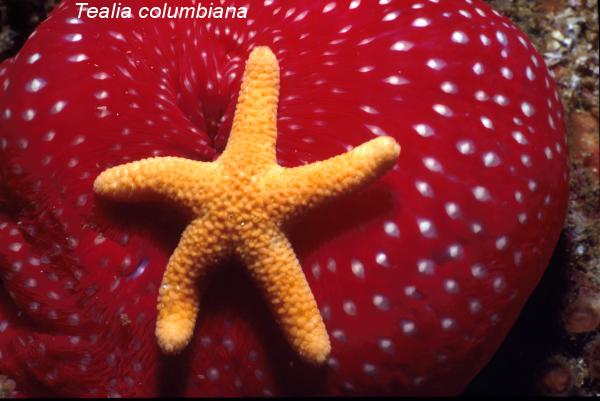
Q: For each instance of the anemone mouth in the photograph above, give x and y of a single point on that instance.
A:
(208, 82)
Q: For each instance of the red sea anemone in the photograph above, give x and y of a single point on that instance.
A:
(417, 277)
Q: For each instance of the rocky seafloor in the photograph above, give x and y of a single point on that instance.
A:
(554, 348)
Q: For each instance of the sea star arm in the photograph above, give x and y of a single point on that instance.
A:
(292, 190)
(173, 178)
(179, 294)
(253, 134)
(273, 264)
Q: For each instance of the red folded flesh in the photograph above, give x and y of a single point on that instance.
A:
(418, 277)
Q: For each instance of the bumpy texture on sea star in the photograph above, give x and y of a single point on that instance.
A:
(240, 203)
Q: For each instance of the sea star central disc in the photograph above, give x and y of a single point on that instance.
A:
(240, 203)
